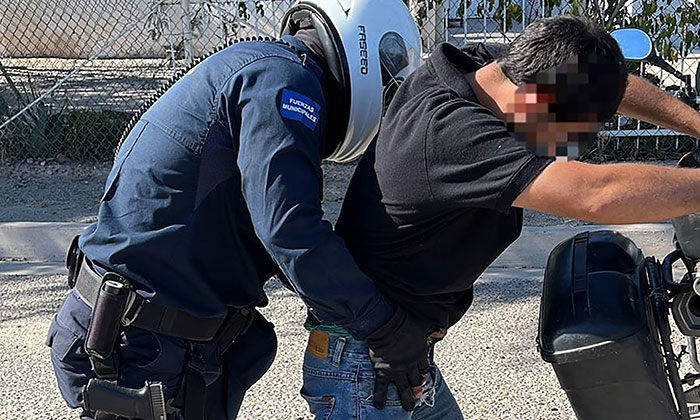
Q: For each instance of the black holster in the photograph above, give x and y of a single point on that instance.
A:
(106, 324)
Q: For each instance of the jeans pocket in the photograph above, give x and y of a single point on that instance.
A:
(429, 389)
(392, 409)
(367, 381)
(321, 407)
(330, 390)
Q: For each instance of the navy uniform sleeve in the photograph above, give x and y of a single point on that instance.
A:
(473, 161)
(281, 115)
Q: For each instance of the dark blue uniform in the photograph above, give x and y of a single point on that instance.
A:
(216, 186)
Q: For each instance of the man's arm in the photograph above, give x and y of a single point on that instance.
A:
(281, 128)
(647, 102)
(613, 194)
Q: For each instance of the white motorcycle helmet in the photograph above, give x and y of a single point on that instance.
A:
(370, 47)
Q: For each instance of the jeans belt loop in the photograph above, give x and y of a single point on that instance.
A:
(338, 351)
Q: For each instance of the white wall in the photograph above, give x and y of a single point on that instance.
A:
(79, 28)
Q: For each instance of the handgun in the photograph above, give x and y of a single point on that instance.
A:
(147, 403)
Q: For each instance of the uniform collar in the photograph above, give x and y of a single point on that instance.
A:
(451, 66)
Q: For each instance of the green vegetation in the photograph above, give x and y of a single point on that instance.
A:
(38, 127)
(46, 130)
(92, 135)
(672, 25)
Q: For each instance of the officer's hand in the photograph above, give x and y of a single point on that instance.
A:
(399, 353)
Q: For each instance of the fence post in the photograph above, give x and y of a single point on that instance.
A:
(464, 20)
(484, 21)
(187, 25)
(440, 22)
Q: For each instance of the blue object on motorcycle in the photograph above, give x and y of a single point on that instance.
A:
(635, 44)
(596, 330)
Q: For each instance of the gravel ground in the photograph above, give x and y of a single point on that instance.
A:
(52, 192)
(489, 359)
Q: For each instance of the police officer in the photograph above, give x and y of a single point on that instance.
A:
(217, 188)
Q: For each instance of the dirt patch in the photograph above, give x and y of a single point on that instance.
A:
(52, 192)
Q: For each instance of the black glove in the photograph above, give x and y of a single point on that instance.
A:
(399, 353)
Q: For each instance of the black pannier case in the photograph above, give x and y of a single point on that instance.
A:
(597, 331)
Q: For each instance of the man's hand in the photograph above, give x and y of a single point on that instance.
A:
(399, 353)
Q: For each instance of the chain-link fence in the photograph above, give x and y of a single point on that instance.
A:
(73, 73)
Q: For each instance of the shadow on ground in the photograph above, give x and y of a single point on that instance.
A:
(504, 288)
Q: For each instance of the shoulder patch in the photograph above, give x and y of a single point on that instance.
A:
(295, 106)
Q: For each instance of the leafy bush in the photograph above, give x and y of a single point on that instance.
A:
(45, 129)
(92, 135)
(37, 129)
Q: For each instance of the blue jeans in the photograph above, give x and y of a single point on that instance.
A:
(341, 387)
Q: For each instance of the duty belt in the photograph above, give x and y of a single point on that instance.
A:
(147, 315)
(144, 314)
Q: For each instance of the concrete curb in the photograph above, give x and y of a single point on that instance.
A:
(40, 247)
(36, 247)
(535, 243)
(32, 268)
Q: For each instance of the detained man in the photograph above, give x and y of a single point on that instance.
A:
(469, 141)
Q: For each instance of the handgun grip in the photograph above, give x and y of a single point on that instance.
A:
(106, 396)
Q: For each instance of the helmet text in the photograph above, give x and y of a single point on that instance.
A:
(364, 63)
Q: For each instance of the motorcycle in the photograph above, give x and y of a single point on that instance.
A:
(604, 315)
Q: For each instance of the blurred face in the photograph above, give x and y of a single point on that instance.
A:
(546, 126)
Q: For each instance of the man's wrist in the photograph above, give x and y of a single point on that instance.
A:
(696, 128)
(372, 320)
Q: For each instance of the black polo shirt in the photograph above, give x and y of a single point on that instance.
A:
(429, 205)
